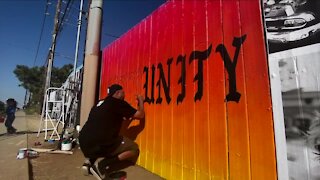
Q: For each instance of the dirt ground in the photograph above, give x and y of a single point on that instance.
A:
(64, 166)
(52, 166)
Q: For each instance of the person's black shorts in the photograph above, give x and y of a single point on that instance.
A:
(96, 151)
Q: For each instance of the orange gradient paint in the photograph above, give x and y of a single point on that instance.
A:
(202, 135)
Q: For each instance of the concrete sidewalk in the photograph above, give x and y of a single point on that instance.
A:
(12, 168)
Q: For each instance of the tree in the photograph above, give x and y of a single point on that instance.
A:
(32, 79)
(59, 75)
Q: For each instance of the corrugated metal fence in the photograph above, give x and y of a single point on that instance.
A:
(202, 68)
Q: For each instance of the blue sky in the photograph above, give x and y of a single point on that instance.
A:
(21, 24)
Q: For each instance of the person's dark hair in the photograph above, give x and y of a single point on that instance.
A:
(113, 88)
(11, 102)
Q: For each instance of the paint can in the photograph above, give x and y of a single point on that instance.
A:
(22, 153)
(66, 146)
(119, 175)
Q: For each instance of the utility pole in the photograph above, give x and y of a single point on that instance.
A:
(51, 52)
(91, 60)
(25, 98)
(53, 45)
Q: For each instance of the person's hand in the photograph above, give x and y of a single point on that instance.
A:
(140, 112)
(140, 98)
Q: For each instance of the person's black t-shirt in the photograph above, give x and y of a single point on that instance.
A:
(104, 122)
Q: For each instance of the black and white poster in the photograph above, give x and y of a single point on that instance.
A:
(293, 36)
(291, 23)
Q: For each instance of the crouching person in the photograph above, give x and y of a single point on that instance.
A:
(99, 137)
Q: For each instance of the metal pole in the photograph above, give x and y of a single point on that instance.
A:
(77, 43)
(91, 60)
(73, 81)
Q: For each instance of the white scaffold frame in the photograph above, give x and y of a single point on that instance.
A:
(54, 113)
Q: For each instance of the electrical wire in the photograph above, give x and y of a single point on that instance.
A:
(39, 42)
(59, 29)
(110, 35)
(66, 11)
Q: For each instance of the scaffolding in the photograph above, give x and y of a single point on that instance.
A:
(60, 109)
(54, 113)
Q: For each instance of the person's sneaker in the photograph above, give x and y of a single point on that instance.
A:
(96, 172)
(10, 131)
(86, 169)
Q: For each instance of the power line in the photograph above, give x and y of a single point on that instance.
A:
(74, 25)
(62, 22)
(39, 42)
(64, 56)
(66, 10)
(75, 8)
(59, 29)
(110, 35)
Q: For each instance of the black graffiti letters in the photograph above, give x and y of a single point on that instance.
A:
(145, 86)
(231, 66)
(164, 82)
(182, 80)
(201, 56)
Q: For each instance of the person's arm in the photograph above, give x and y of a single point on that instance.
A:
(140, 111)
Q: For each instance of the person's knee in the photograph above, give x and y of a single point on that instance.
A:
(136, 151)
(131, 146)
(135, 155)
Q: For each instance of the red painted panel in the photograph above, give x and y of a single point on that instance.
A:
(238, 137)
(258, 94)
(197, 131)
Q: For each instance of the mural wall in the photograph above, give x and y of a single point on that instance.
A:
(293, 32)
(202, 68)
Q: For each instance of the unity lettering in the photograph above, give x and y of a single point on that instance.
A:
(199, 57)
